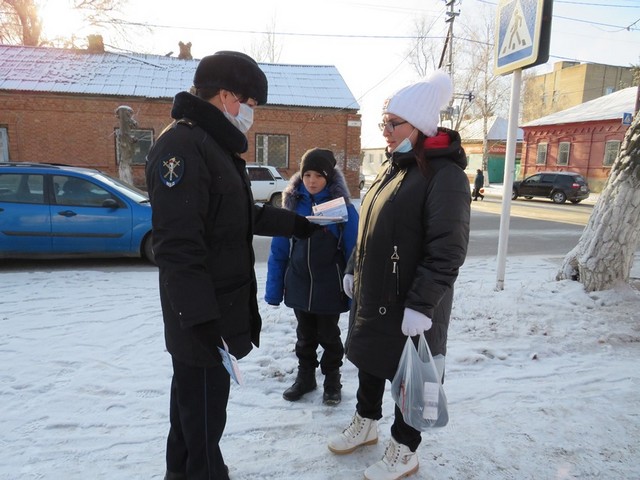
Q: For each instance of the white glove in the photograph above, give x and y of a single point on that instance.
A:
(414, 323)
(347, 284)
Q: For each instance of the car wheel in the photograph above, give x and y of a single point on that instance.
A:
(361, 186)
(514, 195)
(276, 200)
(147, 249)
(558, 196)
(528, 198)
(575, 201)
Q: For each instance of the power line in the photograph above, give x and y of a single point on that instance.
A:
(585, 4)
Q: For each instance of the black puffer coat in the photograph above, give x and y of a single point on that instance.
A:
(204, 219)
(412, 239)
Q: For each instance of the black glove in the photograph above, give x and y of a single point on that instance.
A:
(303, 228)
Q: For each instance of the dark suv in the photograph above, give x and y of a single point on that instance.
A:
(558, 186)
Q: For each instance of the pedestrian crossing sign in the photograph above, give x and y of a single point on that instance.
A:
(523, 29)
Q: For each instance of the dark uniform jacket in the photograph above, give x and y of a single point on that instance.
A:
(412, 239)
(204, 219)
(308, 272)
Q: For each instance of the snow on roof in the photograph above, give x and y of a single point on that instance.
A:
(608, 107)
(39, 69)
(496, 130)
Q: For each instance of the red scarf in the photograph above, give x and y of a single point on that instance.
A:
(441, 140)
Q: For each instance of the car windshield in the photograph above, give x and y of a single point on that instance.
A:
(132, 192)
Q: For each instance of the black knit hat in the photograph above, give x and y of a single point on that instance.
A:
(233, 71)
(319, 160)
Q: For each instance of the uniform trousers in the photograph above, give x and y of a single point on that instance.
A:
(369, 405)
(198, 414)
(318, 329)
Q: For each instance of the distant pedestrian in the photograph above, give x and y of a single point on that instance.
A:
(478, 185)
(307, 273)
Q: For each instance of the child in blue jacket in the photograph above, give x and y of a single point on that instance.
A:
(308, 274)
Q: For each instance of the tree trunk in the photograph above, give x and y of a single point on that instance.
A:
(126, 142)
(605, 252)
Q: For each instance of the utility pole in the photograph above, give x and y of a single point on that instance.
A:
(448, 42)
(447, 50)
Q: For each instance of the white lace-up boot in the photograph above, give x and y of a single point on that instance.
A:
(398, 462)
(360, 432)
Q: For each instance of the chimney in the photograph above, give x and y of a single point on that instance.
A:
(185, 51)
(96, 45)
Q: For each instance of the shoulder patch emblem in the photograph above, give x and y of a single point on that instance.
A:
(172, 171)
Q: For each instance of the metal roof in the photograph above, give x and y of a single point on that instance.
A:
(608, 107)
(497, 128)
(40, 69)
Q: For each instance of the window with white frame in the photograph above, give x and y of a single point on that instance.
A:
(272, 150)
(4, 145)
(611, 150)
(563, 153)
(143, 140)
(541, 156)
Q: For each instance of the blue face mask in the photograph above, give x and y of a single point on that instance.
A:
(405, 145)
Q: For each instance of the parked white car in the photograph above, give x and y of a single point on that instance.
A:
(267, 184)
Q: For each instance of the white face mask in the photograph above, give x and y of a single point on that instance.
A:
(405, 145)
(244, 120)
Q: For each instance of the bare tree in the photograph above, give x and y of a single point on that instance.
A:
(479, 93)
(21, 24)
(267, 48)
(605, 252)
(491, 91)
(423, 53)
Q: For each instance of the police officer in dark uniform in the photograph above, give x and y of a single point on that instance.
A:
(204, 219)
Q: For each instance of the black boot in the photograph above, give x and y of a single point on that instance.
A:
(305, 383)
(332, 389)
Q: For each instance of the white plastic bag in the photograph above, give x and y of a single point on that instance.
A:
(416, 388)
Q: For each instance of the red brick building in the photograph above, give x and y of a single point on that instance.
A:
(585, 139)
(59, 105)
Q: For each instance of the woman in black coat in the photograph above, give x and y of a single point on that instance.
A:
(412, 240)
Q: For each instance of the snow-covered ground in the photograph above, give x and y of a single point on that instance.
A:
(542, 382)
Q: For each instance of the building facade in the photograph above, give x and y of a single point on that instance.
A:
(584, 139)
(571, 84)
(473, 141)
(60, 105)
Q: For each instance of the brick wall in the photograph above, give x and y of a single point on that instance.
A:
(586, 152)
(81, 131)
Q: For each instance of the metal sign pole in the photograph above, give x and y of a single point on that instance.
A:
(509, 172)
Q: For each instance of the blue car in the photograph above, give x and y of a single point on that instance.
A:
(53, 211)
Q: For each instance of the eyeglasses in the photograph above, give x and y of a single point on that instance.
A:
(390, 126)
(242, 99)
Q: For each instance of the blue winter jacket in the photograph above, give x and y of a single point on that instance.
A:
(308, 273)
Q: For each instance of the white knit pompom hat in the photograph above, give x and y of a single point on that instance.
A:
(420, 103)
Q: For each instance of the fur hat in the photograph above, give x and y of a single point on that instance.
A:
(233, 71)
(420, 103)
(319, 160)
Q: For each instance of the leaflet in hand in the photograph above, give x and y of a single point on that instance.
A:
(230, 363)
(333, 211)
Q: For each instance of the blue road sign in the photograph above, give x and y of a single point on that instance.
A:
(627, 118)
(518, 30)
